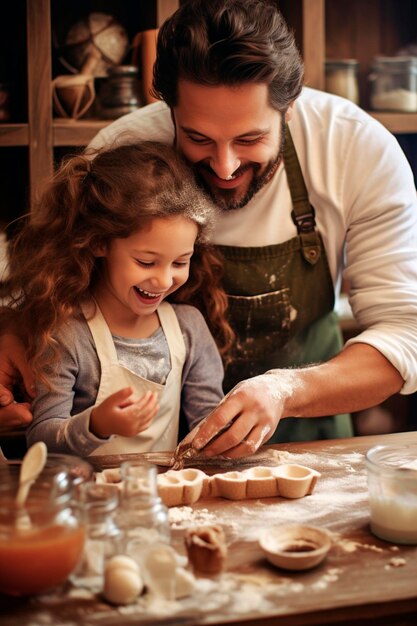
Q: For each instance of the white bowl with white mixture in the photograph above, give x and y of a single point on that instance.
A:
(392, 485)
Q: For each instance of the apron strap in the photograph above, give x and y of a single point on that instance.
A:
(303, 214)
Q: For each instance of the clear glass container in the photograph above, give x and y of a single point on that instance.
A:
(98, 508)
(394, 84)
(342, 78)
(78, 470)
(143, 517)
(41, 543)
(392, 485)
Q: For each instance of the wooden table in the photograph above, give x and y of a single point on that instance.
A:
(364, 580)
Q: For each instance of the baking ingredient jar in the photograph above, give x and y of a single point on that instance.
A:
(78, 470)
(41, 543)
(392, 485)
(143, 517)
(98, 505)
(393, 83)
(342, 78)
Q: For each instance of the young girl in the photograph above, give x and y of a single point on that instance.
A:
(90, 274)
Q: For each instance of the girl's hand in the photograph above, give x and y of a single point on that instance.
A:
(123, 414)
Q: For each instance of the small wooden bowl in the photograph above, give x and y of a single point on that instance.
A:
(295, 547)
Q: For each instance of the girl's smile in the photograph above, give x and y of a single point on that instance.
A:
(142, 270)
(149, 298)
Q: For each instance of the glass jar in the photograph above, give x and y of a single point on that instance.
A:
(98, 508)
(41, 543)
(392, 485)
(79, 471)
(394, 84)
(342, 78)
(143, 517)
(120, 93)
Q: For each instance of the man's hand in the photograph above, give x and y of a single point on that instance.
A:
(15, 414)
(243, 421)
(14, 370)
(358, 377)
(123, 414)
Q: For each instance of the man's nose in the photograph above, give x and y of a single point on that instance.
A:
(224, 162)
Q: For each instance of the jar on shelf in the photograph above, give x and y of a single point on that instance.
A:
(394, 84)
(342, 78)
(120, 92)
(143, 517)
(41, 543)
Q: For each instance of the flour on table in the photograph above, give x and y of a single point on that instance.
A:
(183, 516)
(331, 576)
(396, 562)
(347, 545)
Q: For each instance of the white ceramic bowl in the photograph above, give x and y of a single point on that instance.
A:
(295, 546)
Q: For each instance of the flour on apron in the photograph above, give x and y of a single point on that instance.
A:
(281, 301)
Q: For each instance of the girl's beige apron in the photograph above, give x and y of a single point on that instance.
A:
(163, 432)
(281, 302)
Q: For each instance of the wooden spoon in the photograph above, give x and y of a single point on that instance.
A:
(32, 465)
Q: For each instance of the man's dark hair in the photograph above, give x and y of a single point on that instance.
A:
(228, 42)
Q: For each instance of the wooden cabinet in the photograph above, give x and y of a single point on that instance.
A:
(31, 141)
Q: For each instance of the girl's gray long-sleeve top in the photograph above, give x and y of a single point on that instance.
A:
(62, 414)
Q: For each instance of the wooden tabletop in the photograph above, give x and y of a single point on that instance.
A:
(363, 580)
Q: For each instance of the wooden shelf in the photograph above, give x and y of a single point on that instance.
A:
(80, 133)
(14, 135)
(76, 133)
(397, 123)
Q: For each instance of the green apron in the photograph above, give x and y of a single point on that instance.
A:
(281, 301)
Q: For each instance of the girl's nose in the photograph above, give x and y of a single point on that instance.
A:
(162, 279)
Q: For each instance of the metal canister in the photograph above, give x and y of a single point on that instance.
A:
(120, 93)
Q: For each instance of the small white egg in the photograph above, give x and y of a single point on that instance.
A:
(122, 580)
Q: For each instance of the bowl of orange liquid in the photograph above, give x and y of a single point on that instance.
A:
(41, 543)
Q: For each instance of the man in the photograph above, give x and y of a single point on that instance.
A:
(309, 186)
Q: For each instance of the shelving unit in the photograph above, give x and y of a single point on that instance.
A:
(319, 29)
(363, 42)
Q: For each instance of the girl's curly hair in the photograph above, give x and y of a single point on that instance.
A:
(88, 203)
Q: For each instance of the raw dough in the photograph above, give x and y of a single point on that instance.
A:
(160, 567)
(184, 583)
(183, 487)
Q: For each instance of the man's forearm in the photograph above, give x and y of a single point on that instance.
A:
(357, 378)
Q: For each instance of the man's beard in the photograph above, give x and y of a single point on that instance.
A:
(225, 198)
